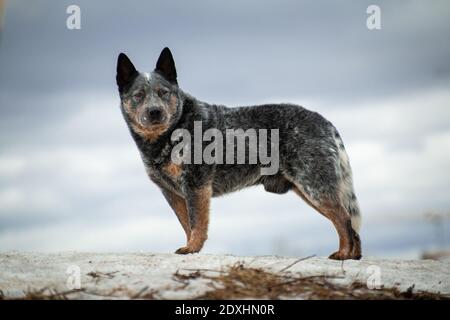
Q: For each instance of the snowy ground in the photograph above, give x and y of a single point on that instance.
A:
(147, 275)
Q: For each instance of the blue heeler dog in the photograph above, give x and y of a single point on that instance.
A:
(312, 160)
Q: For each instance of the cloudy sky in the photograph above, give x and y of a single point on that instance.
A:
(70, 174)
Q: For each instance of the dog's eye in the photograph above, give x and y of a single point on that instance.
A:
(162, 93)
(138, 96)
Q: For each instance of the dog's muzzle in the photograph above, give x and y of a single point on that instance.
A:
(152, 115)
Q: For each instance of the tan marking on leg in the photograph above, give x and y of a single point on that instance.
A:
(349, 244)
(178, 205)
(199, 232)
(173, 170)
(341, 221)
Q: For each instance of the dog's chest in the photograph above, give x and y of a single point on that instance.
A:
(160, 168)
(167, 176)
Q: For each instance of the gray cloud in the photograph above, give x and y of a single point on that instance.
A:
(221, 48)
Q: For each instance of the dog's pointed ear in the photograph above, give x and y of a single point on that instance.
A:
(166, 66)
(126, 72)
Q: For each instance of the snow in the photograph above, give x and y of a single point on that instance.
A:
(127, 275)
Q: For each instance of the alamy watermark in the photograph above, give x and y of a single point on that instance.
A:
(373, 21)
(73, 281)
(374, 278)
(241, 147)
(73, 21)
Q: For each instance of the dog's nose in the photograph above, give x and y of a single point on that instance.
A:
(153, 115)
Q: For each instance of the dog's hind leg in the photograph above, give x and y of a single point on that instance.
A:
(321, 175)
(349, 242)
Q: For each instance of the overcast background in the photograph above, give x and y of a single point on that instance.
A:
(71, 177)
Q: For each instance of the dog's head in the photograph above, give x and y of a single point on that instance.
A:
(150, 102)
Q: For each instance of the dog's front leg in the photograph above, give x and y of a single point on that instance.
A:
(198, 210)
(179, 206)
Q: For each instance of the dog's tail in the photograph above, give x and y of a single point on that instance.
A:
(346, 191)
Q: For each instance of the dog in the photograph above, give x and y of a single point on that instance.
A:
(313, 162)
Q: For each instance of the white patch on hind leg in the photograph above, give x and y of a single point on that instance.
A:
(346, 192)
(356, 222)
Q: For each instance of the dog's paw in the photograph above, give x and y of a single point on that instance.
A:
(343, 256)
(336, 256)
(185, 250)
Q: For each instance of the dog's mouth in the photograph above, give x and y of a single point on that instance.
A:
(150, 130)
